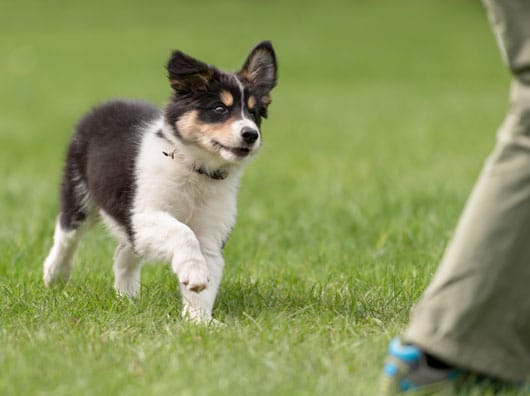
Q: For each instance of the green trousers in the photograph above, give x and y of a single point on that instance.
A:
(475, 314)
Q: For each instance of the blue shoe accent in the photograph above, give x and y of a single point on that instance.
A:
(390, 369)
(406, 369)
(408, 353)
(406, 385)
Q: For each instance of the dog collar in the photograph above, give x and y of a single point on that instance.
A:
(218, 174)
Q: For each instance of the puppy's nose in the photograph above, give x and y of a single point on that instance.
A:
(249, 135)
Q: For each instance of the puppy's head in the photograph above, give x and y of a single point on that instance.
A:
(221, 112)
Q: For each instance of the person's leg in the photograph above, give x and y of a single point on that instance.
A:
(475, 314)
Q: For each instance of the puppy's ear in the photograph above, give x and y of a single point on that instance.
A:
(187, 74)
(260, 68)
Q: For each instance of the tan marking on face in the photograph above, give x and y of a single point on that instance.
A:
(226, 98)
(187, 125)
(251, 102)
(203, 134)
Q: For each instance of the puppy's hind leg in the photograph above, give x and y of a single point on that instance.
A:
(126, 271)
(70, 225)
(59, 262)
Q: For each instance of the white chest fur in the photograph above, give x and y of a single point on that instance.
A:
(169, 184)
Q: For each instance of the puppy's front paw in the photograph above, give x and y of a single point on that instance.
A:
(193, 274)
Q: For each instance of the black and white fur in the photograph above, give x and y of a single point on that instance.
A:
(166, 182)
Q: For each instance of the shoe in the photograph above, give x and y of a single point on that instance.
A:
(407, 369)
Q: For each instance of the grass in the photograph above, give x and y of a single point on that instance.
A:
(382, 118)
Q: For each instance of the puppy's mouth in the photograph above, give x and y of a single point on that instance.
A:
(237, 151)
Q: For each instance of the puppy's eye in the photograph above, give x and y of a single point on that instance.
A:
(220, 109)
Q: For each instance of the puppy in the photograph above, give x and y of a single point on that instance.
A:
(165, 182)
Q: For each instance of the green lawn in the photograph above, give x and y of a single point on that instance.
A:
(384, 113)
